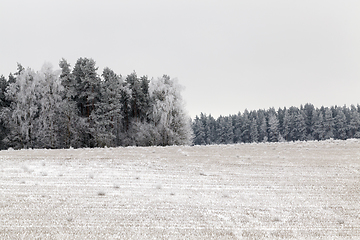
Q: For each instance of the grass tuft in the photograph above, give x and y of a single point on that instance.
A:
(101, 193)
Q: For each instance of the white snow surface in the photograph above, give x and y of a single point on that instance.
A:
(300, 190)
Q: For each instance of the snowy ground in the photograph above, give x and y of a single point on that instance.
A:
(301, 190)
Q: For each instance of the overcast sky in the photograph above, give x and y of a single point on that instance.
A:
(229, 55)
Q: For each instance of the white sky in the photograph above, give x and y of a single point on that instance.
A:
(229, 55)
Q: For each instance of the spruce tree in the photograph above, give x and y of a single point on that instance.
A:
(340, 124)
(354, 124)
(319, 130)
(254, 135)
(328, 124)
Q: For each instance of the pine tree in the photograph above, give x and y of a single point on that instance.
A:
(87, 96)
(69, 118)
(108, 115)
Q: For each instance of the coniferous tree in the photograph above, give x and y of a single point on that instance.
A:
(273, 128)
(205, 121)
(245, 128)
(145, 101)
(263, 134)
(299, 126)
(308, 116)
(340, 124)
(4, 104)
(87, 96)
(319, 130)
(238, 119)
(254, 135)
(328, 124)
(70, 116)
(287, 125)
(108, 114)
(221, 130)
(354, 123)
(199, 131)
(211, 129)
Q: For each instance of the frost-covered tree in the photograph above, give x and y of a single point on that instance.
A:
(299, 130)
(245, 127)
(136, 105)
(328, 124)
(69, 117)
(340, 124)
(287, 121)
(168, 114)
(108, 114)
(4, 104)
(354, 123)
(318, 130)
(140, 97)
(225, 131)
(254, 135)
(48, 121)
(263, 134)
(237, 119)
(21, 115)
(199, 131)
(308, 111)
(273, 128)
(210, 127)
(87, 85)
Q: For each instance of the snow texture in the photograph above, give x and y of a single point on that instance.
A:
(298, 190)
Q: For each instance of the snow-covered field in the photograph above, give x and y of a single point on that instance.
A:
(302, 190)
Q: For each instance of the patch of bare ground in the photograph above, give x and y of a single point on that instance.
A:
(301, 190)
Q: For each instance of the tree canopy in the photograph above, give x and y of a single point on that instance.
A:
(79, 108)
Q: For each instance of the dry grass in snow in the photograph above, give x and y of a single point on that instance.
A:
(302, 190)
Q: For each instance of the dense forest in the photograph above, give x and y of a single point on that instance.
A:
(76, 107)
(292, 124)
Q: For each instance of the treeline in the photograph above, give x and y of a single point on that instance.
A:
(76, 107)
(293, 124)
